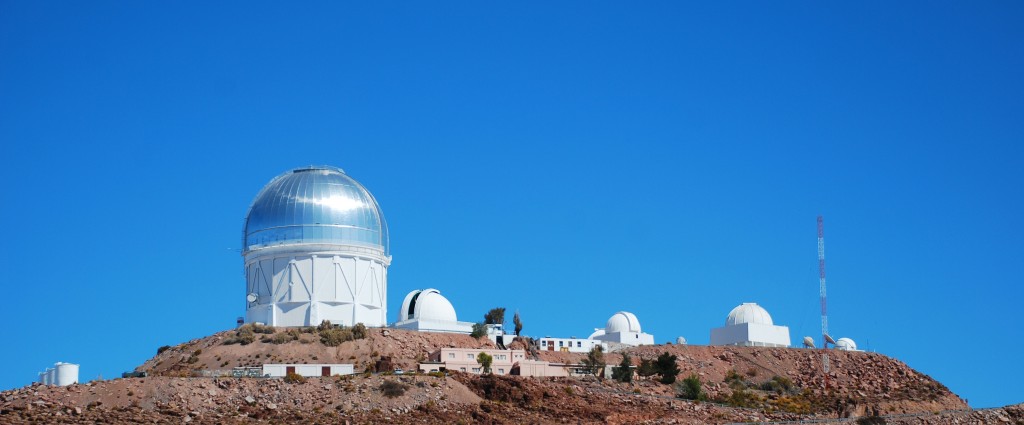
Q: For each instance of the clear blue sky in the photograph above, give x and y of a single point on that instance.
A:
(564, 160)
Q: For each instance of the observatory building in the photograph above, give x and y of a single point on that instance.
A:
(750, 325)
(846, 344)
(623, 328)
(315, 246)
(427, 310)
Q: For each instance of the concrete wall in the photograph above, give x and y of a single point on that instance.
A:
(302, 285)
(428, 325)
(307, 370)
(751, 334)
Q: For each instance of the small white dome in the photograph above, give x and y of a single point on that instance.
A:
(681, 341)
(597, 333)
(427, 304)
(622, 321)
(846, 344)
(748, 313)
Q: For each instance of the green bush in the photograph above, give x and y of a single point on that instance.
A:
(778, 384)
(281, 338)
(667, 368)
(624, 372)
(392, 389)
(479, 331)
(691, 389)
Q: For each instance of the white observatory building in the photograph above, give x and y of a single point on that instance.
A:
(846, 344)
(316, 248)
(750, 325)
(623, 328)
(428, 311)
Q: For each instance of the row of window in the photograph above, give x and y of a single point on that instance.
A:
(544, 343)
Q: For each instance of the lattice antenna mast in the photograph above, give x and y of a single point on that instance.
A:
(821, 281)
(824, 302)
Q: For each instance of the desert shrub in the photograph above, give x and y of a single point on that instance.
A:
(333, 337)
(436, 374)
(792, 404)
(262, 329)
(778, 384)
(691, 389)
(324, 325)
(281, 338)
(359, 331)
(162, 349)
(392, 389)
(244, 336)
(743, 398)
(294, 378)
(735, 380)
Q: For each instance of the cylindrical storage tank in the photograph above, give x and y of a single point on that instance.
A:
(42, 377)
(48, 378)
(66, 374)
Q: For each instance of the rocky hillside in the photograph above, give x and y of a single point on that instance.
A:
(742, 384)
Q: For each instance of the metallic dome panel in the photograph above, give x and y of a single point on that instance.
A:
(315, 205)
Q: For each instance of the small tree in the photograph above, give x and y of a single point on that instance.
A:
(690, 389)
(594, 361)
(667, 368)
(479, 330)
(518, 323)
(624, 372)
(495, 317)
(485, 361)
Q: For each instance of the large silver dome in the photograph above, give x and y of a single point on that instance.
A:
(315, 205)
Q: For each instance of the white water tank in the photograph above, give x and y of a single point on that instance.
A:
(66, 374)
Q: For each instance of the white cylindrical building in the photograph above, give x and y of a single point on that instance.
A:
(315, 248)
(65, 374)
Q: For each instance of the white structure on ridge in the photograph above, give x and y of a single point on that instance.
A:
(623, 328)
(750, 325)
(61, 375)
(316, 248)
(428, 310)
(846, 344)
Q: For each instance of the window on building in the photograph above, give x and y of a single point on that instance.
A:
(501, 371)
(579, 343)
(476, 370)
(462, 369)
(543, 343)
(469, 356)
(560, 343)
(451, 355)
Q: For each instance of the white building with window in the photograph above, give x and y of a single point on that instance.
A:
(750, 325)
(571, 345)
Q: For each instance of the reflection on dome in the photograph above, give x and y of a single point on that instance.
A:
(315, 205)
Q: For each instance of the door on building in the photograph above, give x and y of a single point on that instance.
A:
(288, 370)
(325, 371)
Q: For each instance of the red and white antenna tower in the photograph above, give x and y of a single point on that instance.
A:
(824, 301)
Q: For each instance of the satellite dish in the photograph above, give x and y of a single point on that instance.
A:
(829, 339)
(808, 342)
(252, 297)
